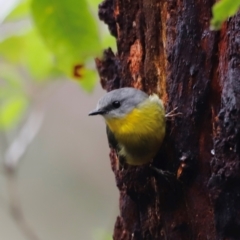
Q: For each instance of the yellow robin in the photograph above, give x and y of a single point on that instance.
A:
(135, 124)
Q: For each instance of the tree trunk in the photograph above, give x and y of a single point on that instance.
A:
(166, 47)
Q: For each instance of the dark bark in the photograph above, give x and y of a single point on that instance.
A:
(166, 47)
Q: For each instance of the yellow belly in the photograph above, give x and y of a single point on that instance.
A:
(140, 133)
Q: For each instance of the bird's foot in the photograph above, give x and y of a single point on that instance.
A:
(173, 113)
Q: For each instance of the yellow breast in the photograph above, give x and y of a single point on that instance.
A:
(140, 132)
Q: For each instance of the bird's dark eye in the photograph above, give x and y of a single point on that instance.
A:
(116, 104)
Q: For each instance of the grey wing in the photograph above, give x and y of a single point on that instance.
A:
(114, 144)
(111, 139)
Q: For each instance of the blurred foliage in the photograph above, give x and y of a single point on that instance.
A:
(101, 234)
(223, 10)
(69, 31)
(42, 41)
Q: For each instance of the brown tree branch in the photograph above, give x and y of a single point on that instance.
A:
(166, 47)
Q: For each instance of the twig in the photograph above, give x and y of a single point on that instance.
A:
(11, 161)
(21, 142)
(12, 158)
(16, 208)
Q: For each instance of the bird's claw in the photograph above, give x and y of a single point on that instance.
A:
(172, 114)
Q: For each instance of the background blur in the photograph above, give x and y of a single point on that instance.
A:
(55, 166)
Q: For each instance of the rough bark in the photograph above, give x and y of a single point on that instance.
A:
(166, 47)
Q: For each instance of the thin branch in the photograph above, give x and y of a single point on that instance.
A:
(18, 147)
(12, 158)
(16, 208)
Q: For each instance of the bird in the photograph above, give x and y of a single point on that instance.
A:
(135, 122)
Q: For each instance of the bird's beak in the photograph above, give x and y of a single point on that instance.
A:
(96, 112)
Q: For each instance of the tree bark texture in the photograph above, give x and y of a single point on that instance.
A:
(166, 47)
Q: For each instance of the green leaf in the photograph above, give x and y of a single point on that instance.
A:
(11, 111)
(94, 3)
(88, 80)
(9, 79)
(29, 51)
(109, 41)
(69, 30)
(37, 57)
(223, 10)
(13, 100)
(20, 11)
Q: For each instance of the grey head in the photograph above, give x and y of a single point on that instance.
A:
(119, 102)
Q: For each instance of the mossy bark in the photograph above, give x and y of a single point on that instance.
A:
(166, 47)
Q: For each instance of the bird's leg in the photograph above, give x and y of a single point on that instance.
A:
(172, 113)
